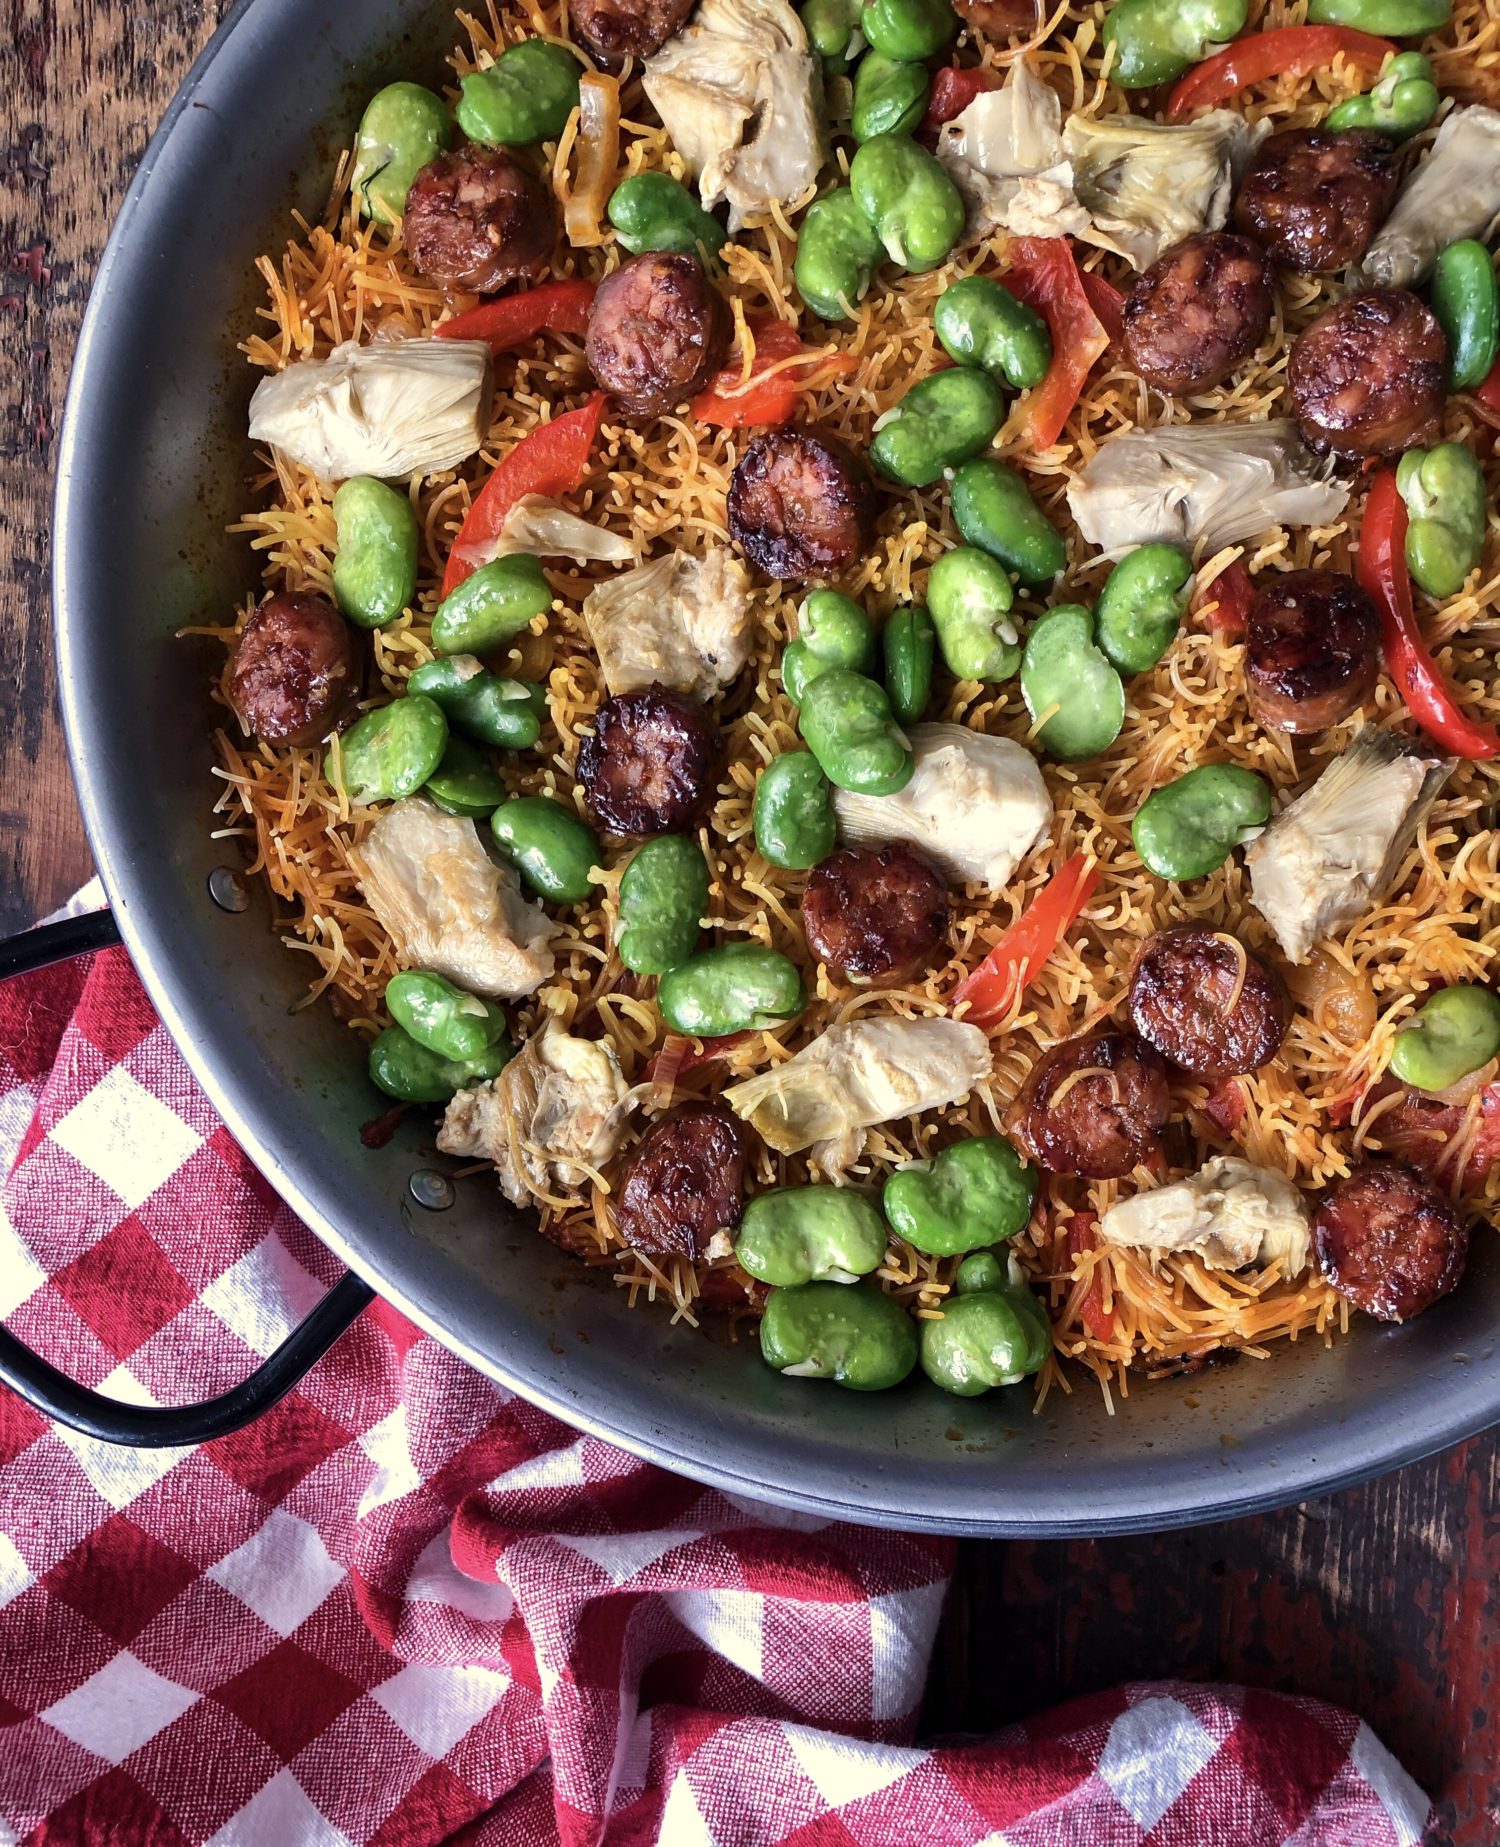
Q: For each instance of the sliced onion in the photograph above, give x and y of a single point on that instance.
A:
(598, 147)
(1457, 1095)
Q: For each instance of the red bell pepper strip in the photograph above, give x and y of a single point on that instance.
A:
(554, 307)
(550, 461)
(1099, 1320)
(1224, 1106)
(1488, 393)
(1107, 302)
(1227, 602)
(1017, 958)
(1044, 274)
(732, 402)
(1288, 51)
(954, 87)
(1382, 571)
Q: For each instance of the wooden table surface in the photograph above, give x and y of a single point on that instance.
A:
(1384, 1598)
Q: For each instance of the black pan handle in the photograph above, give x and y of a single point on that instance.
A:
(159, 1426)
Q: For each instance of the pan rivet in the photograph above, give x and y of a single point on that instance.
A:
(431, 1189)
(227, 889)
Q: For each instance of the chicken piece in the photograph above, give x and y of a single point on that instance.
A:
(741, 95)
(975, 806)
(856, 1076)
(448, 906)
(678, 621)
(1326, 859)
(1230, 1213)
(552, 1118)
(393, 409)
(1005, 154)
(1215, 482)
(546, 530)
(1454, 194)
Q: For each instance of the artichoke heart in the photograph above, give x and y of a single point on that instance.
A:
(1454, 194)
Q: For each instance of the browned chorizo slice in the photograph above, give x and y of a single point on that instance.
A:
(869, 914)
(475, 219)
(658, 331)
(1313, 650)
(613, 30)
(683, 1182)
(1316, 199)
(1368, 377)
(294, 671)
(1199, 311)
(1389, 1240)
(1206, 1003)
(800, 505)
(649, 766)
(1094, 1106)
(1000, 20)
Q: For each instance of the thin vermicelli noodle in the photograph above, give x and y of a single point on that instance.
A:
(663, 483)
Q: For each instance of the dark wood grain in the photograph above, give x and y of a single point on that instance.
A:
(1383, 1599)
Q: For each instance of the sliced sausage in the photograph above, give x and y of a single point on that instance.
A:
(1000, 20)
(1199, 311)
(1389, 1240)
(800, 505)
(648, 768)
(295, 669)
(870, 913)
(683, 1182)
(1368, 376)
(1313, 650)
(1315, 199)
(658, 331)
(1206, 1003)
(475, 219)
(1094, 1106)
(613, 30)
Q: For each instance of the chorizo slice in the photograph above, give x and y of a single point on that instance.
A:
(1369, 376)
(648, 768)
(658, 331)
(1315, 199)
(1094, 1106)
(475, 220)
(613, 30)
(1206, 1003)
(1199, 311)
(1313, 650)
(1389, 1241)
(800, 505)
(294, 671)
(683, 1181)
(870, 914)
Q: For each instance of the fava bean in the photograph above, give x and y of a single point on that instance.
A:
(982, 1270)
(1190, 827)
(1156, 40)
(795, 826)
(906, 194)
(980, 323)
(443, 1018)
(969, 595)
(909, 30)
(810, 1234)
(1387, 18)
(889, 96)
(1069, 686)
(1456, 1032)
(829, 25)
(1466, 300)
(993, 508)
(986, 1338)
(832, 631)
(403, 129)
(552, 849)
(390, 752)
(488, 608)
(1401, 104)
(852, 1334)
(526, 95)
(837, 250)
(1444, 491)
(663, 897)
(908, 642)
(403, 1068)
(464, 783)
(974, 1193)
(1142, 605)
(851, 730)
(375, 565)
(741, 987)
(652, 211)
(941, 421)
(505, 713)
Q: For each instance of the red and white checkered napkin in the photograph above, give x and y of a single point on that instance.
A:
(406, 1607)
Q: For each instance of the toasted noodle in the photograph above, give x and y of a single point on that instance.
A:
(663, 482)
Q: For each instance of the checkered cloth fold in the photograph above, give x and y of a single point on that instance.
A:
(407, 1607)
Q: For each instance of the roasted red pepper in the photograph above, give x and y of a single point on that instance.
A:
(1106, 301)
(512, 320)
(1044, 274)
(954, 87)
(1488, 393)
(1226, 601)
(735, 404)
(1017, 958)
(1099, 1320)
(1224, 1105)
(1288, 51)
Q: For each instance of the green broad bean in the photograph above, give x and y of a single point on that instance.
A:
(993, 509)
(663, 897)
(1156, 40)
(795, 826)
(853, 1334)
(984, 1270)
(499, 600)
(1070, 686)
(375, 565)
(505, 713)
(464, 782)
(443, 1018)
(837, 250)
(652, 211)
(402, 130)
(908, 30)
(889, 96)
(1188, 828)
(390, 752)
(403, 1068)
(525, 96)
(1142, 604)
(908, 643)
(832, 631)
(906, 194)
(810, 1234)
(1445, 497)
(1456, 1032)
(1466, 300)
(740, 987)
(1386, 18)
(974, 1193)
(850, 728)
(986, 1338)
(939, 423)
(554, 852)
(980, 323)
(970, 596)
(829, 25)
(1401, 103)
